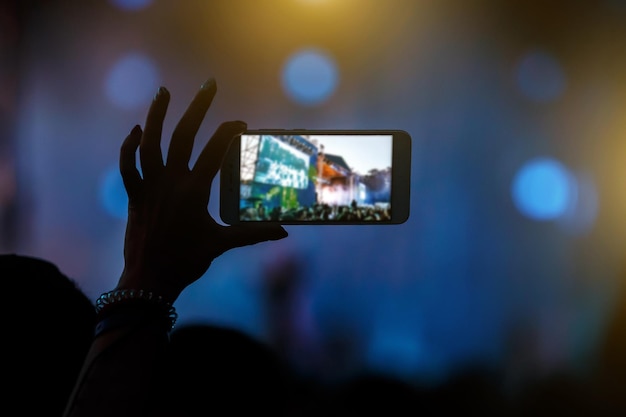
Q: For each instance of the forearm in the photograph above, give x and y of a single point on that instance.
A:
(117, 377)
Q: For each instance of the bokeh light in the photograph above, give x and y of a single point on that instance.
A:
(132, 82)
(583, 208)
(540, 77)
(542, 189)
(131, 5)
(112, 193)
(310, 77)
(396, 353)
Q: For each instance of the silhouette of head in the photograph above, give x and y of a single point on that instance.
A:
(211, 368)
(49, 328)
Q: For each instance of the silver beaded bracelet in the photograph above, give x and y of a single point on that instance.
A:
(110, 298)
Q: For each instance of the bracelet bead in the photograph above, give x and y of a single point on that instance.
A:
(132, 297)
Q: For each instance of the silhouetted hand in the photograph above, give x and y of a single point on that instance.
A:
(171, 239)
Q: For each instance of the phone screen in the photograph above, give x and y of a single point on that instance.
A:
(316, 177)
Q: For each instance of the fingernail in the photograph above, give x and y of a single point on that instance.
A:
(208, 84)
(161, 92)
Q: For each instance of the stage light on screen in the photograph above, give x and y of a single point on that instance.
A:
(132, 82)
(113, 194)
(542, 189)
(131, 5)
(540, 77)
(310, 77)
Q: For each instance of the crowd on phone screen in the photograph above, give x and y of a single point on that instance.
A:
(318, 212)
(123, 354)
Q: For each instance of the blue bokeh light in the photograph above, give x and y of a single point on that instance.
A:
(583, 209)
(113, 195)
(310, 77)
(542, 189)
(132, 82)
(540, 77)
(399, 355)
(131, 5)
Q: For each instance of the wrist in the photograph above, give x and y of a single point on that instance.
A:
(153, 284)
(123, 318)
(130, 308)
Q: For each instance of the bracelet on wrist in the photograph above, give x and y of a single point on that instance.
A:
(110, 302)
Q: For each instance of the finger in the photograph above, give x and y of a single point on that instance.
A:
(128, 167)
(246, 235)
(185, 132)
(150, 153)
(211, 157)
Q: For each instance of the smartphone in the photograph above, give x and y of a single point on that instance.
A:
(317, 177)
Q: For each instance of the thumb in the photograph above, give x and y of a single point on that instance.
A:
(250, 234)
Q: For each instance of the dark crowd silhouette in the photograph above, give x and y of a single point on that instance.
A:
(48, 330)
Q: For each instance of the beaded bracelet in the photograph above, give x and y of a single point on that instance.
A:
(126, 297)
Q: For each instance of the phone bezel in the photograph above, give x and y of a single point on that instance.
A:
(400, 174)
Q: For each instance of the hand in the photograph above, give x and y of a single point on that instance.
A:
(171, 239)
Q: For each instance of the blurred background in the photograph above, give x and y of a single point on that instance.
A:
(512, 258)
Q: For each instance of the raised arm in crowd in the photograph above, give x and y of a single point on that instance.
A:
(170, 241)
